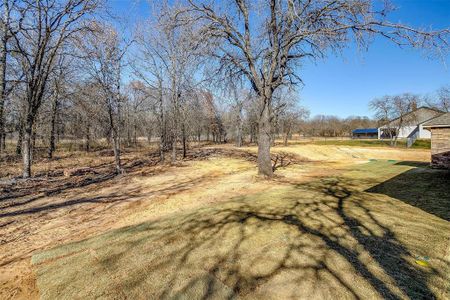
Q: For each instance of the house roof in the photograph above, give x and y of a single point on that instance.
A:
(441, 121)
(420, 115)
(365, 130)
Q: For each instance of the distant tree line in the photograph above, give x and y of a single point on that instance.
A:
(332, 126)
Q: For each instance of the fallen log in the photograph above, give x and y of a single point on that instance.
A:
(78, 171)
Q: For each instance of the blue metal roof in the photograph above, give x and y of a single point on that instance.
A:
(365, 130)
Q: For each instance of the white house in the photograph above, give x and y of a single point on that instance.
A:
(411, 125)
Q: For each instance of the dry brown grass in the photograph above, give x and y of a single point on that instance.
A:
(210, 227)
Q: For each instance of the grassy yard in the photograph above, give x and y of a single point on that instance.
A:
(358, 232)
(419, 144)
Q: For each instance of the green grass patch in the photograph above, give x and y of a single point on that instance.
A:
(422, 144)
(419, 144)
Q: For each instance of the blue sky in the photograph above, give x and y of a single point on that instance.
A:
(343, 85)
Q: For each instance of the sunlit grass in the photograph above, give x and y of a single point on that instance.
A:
(333, 237)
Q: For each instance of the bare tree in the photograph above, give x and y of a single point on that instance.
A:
(87, 117)
(58, 89)
(444, 98)
(150, 66)
(290, 119)
(103, 55)
(170, 54)
(4, 31)
(239, 98)
(441, 100)
(403, 105)
(395, 112)
(43, 28)
(265, 41)
(7, 7)
(384, 112)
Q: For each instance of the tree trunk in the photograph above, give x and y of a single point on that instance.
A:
(52, 147)
(239, 137)
(116, 149)
(264, 140)
(135, 135)
(175, 131)
(20, 139)
(184, 140)
(239, 130)
(27, 147)
(161, 145)
(115, 137)
(128, 135)
(3, 51)
(87, 145)
(397, 132)
(162, 127)
(174, 149)
(33, 139)
(174, 138)
(162, 141)
(149, 137)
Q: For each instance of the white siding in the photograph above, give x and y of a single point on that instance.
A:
(411, 122)
(405, 131)
(423, 133)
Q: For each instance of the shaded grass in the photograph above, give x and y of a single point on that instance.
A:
(326, 238)
(422, 187)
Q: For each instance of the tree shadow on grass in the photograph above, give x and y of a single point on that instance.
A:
(117, 196)
(317, 240)
(422, 187)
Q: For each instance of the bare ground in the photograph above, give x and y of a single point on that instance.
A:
(54, 210)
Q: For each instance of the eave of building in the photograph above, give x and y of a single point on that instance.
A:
(390, 125)
(433, 126)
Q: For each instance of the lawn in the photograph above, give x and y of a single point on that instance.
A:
(316, 231)
(418, 144)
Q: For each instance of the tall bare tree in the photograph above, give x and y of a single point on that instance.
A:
(42, 30)
(240, 97)
(58, 90)
(150, 66)
(103, 56)
(5, 32)
(170, 51)
(265, 41)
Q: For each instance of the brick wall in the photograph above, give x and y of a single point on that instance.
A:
(440, 147)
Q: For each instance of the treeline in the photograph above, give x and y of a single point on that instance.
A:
(332, 126)
(192, 70)
(78, 116)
